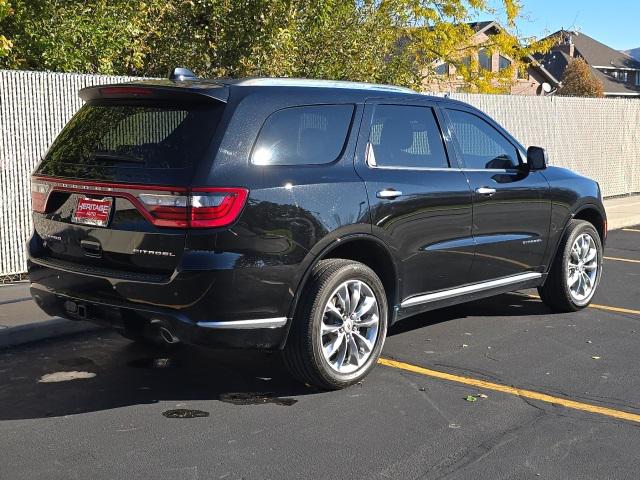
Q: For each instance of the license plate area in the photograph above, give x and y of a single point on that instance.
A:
(93, 211)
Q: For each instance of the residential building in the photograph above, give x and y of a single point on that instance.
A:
(618, 71)
(534, 80)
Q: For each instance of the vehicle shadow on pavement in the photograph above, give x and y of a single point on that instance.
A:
(129, 374)
(508, 305)
(121, 373)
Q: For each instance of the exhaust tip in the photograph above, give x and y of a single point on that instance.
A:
(165, 333)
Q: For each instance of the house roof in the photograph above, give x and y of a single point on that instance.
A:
(613, 86)
(598, 54)
(599, 57)
(482, 26)
(554, 62)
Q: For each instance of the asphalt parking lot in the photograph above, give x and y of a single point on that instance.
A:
(499, 388)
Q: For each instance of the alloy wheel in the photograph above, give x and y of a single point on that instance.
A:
(349, 326)
(582, 268)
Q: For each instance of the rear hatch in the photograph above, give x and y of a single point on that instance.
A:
(112, 196)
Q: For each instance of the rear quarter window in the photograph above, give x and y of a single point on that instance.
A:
(305, 135)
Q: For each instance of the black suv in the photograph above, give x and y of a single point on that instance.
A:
(299, 215)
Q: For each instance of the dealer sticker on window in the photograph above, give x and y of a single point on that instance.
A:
(93, 211)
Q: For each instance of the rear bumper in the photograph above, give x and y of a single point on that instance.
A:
(266, 333)
(216, 307)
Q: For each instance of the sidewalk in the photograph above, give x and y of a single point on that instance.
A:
(623, 212)
(21, 321)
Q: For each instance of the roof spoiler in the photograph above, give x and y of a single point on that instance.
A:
(182, 90)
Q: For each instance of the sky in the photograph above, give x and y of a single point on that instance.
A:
(615, 23)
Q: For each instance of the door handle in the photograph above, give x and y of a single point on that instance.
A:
(389, 193)
(487, 191)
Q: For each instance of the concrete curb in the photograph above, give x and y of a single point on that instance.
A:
(33, 332)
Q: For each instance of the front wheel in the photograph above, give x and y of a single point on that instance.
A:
(576, 270)
(340, 326)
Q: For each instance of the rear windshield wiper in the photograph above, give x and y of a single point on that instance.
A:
(116, 157)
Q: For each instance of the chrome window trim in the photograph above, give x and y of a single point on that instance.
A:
(476, 287)
(441, 169)
(275, 322)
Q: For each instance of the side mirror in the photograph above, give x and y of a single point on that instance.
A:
(537, 158)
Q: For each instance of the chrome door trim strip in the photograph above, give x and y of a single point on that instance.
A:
(275, 322)
(476, 287)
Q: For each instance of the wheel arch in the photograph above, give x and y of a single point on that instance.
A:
(592, 214)
(588, 212)
(365, 248)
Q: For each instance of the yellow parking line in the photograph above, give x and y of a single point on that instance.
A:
(622, 259)
(585, 407)
(631, 230)
(599, 307)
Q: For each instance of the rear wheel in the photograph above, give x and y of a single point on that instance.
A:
(340, 326)
(576, 270)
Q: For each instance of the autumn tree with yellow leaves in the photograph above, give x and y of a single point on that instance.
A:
(384, 41)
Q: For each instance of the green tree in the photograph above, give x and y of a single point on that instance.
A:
(390, 41)
(5, 43)
(579, 81)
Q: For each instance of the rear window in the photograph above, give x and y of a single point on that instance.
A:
(133, 136)
(308, 135)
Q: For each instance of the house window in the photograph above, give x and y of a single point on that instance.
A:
(623, 76)
(503, 63)
(523, 73)
(484, 58)
(442, 69)
(638, 78)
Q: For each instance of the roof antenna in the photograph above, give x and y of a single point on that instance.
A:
(180, 73)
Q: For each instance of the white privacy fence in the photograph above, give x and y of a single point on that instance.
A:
(34, 106)
(596, 137)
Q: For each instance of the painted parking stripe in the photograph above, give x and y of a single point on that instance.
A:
(599, 307)
(617, 259)
(631, 230)
(542, 397)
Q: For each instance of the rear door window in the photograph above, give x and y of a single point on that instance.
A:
(305, 135)
(406, 137)
(132, 136)
(482, 146)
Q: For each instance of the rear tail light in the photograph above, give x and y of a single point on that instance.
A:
(124, 91)
(174, 207)
(216, 207)
(39, 195)
(200, 208)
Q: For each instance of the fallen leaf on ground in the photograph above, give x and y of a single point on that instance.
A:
(470, 398)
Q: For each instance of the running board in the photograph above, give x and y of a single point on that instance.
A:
(476, 287)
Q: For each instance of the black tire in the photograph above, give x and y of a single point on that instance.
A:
(555, 292)
(303, 354)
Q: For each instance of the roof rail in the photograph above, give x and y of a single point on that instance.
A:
(181, 73)
(304, 82)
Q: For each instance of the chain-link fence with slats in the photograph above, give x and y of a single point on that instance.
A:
(597, 137)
